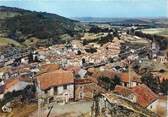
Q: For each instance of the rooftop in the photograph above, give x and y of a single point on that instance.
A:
(125, 77)
(49, 67)
(55, 78)
(144, 95)
(112, 98)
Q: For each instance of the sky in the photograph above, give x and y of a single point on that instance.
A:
(95, 8)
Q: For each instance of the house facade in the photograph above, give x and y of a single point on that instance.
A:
(85, 89)
(141, 95)
(133, 81)
(159, 106)
(56, 86)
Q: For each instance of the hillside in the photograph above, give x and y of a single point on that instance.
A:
(20, 24)
(8, 12)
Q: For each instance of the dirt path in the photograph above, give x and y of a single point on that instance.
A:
(74, 109)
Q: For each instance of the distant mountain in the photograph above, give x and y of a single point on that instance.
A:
(162, 20)
(97, 19)
(20, 24)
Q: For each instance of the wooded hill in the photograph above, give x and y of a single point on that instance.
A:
(20, 24)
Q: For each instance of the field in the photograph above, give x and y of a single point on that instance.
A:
(7, 41)
(158, 31)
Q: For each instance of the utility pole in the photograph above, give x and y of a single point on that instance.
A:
(39, 100)
(129, 73)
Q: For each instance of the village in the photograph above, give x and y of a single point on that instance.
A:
(106, 70)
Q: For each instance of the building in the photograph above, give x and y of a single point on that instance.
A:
(49, 67)
(162, 58)
(154, 49)
(14, 84)
(56, 86)
(86, 88)
(130, 81)
(112, 105)
(145, 96)
(160, 106)
(141, 95)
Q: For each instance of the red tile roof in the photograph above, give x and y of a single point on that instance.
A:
(74, 69)
(145, 96)
(122, 91)
(56, 78)
(125, 77)
(83, 81)
(106, 73)
(11, 82)
(109, 73)
(49, 67)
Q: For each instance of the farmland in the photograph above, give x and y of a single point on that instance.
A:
(157, 31)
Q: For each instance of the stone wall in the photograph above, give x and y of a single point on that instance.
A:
(104, 107)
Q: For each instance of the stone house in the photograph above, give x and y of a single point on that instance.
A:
(86, 88)
(112, 105)
(159, 106)
(56, 86)
(133, 81)
(141, 95)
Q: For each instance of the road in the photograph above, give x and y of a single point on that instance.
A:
(73, 109)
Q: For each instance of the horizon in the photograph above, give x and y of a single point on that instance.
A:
(95, 8)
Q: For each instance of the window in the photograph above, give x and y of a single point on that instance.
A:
(55, 90)
(81, 87)
(65, 87)
(125, 84)
(45, 91)
(151, 106)
(80, 95)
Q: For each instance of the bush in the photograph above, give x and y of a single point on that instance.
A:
(91, 50)
(109, 84)
(151, 82)
(164, 87)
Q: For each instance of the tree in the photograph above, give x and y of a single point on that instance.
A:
(164, 87)
(116, 80)
(106, 39)
(85, 42)
(109, 83)
(30, 57)
(150, 81)
(91, 50)
(132, 31)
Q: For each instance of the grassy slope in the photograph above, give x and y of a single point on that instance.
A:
(7, 41)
